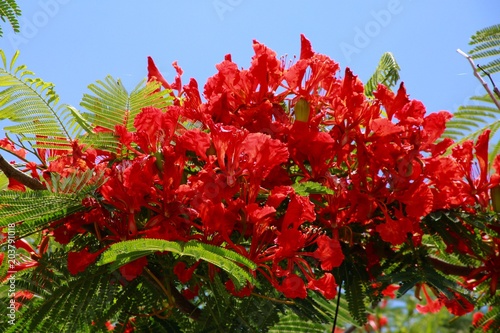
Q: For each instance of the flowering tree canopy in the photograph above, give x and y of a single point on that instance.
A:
(278, 194)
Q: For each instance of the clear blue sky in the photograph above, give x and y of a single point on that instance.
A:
(73, 43)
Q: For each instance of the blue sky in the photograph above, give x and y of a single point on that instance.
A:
(74, 43)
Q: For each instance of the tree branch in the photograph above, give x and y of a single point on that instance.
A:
(184, 305)
(476, 74)
(11, 172)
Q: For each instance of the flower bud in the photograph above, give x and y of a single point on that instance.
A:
(302, 110)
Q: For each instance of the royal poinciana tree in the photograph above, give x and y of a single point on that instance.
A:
(278, 197)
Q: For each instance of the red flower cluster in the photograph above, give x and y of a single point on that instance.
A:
(224, 168)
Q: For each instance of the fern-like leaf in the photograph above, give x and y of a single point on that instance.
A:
(354, 291)
(35, 206)
(317, 309)
(294, 324)
(471, 120)
(35, 210)
(32, 105)
(9, 11)
(111, 104)
(71, 306)
(486, 44)
(386, 73)
(121, 253)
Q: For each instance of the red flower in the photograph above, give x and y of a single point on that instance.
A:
(395, 231)
(432, 306)
(79, 261)
(293, 287)
(7, 144)
(477, 320)
(14, 185)
(392, 103)
(22, 297)
(243, 292)
(325, 285)
(133, 269)
(329, 253)
(289, 242)
(390, 290)
(184, 274)
(458, 305)
(155, 75)
(68, 227)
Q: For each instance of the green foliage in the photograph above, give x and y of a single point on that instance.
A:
(101, 295)
(4, 181)
(492, 317)
(123, 252)
(83, 303)
(110, 105)
(306, 188)
(469, 121)
(222, 312)
(486, 44)
(355, 291)
(315, 308)
(9, 11)
(36, 209)
(403, 317)
(32, 105)
(473, 119)
(386, 73)
(293, 323)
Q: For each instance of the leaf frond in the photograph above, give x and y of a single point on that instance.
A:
(32, 105)
(123, 252)
(9, 11)
(386, 73)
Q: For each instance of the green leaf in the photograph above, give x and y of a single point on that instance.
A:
(294, 324)
(306, 188)
(469, 121)
(110, 104)
(9, 10)
(386, 73)
(32, 105)
(36, 209)
(121, 253)
(486, 44)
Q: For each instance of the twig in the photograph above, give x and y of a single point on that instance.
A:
(274, 299)
(495, 89)
(337, 308)
(476, 74)
(11, 172)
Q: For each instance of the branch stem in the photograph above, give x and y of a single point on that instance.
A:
(11, 172)
(476, 74)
